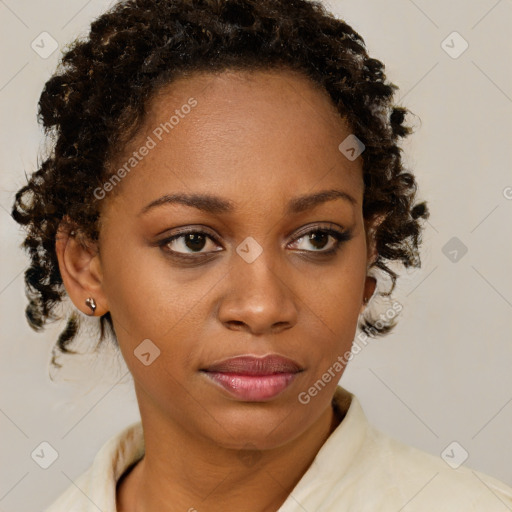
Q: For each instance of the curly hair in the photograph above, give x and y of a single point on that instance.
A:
(96, 101)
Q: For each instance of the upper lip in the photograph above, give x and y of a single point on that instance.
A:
(252, 365)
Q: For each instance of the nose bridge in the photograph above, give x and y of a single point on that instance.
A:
(257, 295)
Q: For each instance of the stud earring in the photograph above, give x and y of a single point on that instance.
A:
(90, 302)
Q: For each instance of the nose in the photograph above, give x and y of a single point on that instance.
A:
(258, 297)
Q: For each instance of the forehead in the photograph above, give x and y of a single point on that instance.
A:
(250, 131)
(262, 101)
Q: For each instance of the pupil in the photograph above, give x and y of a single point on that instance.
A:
(313, 237)
(196, 239)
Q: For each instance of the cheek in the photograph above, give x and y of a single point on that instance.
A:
(334, 304)
(337, 293)
(158, 312)
(147, 296)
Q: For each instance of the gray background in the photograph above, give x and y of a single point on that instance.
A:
(443, 375)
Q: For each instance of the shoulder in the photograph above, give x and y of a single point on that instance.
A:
(95, 489)
(366, 470)
(425, 480)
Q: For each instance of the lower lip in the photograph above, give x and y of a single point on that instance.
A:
(255, 388)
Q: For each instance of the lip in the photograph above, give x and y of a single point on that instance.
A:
(255, 365)
(254, 379)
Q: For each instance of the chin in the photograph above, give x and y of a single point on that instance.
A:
(258, 427)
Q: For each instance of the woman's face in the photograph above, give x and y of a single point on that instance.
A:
(246, 149)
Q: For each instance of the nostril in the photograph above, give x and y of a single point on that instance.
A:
(280, 326)
(236, 323)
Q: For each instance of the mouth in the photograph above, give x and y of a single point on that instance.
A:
(254, 379)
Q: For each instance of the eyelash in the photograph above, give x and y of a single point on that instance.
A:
(339, 236)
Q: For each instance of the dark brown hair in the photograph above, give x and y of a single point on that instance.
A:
(95, 102)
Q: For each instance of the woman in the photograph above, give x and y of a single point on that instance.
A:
(225, 176)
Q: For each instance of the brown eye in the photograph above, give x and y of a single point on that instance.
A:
(194, 241)
(189, 243)
(319, 238)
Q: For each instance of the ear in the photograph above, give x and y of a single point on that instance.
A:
(371, 255)
(80, 269)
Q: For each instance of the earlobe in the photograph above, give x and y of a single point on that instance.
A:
(80, 269)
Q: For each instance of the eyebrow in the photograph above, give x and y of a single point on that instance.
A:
(216, 205)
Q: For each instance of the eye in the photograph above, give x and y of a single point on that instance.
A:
(318, 238)
(189, 242)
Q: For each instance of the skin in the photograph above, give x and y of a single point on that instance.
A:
(251, 135)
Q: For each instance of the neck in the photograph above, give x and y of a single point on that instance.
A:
(203, 475)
